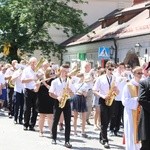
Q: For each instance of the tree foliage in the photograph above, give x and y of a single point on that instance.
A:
(24, 24)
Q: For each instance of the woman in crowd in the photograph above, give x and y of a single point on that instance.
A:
(45, 103)
(100, 71)
(79, 103)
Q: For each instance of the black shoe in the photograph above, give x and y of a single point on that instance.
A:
(88, 122)
(54, 141)
(84, 135)
(25, 128)
(10, 116)
(15, 122)
(20, 122)
(31, 129)
(61, 128)
(115, 133)
(106, 145)
(68, 145)
(102, 142)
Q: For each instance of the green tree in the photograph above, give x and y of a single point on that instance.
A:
(24, 24)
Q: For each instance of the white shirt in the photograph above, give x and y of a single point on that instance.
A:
(102, 86)
(120, 82)
(2, 79)
(57, 86)
(88, 76)
(9, 73)
(81, 87)
(18, 86)
(28, 73)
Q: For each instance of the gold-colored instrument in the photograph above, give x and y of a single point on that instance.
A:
(112, 94)
(10, 84)
(39, 64)
(65, 96)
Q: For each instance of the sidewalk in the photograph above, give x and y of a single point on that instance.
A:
(13, 137)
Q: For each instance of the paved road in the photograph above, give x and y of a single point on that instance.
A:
(13, 137)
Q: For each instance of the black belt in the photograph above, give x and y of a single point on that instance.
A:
(32, 90)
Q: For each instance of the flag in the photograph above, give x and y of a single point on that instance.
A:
(6, 49)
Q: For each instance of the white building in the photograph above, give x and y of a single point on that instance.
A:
(121, 31)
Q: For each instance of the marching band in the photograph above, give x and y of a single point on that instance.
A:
(115, 94)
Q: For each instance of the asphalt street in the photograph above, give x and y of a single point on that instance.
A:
(13, 137)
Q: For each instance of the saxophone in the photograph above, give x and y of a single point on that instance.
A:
(112, 94)
(65, 96)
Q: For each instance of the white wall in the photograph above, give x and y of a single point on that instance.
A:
(95, 9)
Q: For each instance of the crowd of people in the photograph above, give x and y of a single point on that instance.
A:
(117, 94)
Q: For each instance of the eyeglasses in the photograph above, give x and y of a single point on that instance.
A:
(52, 73)
(139, 73)
(110, 69)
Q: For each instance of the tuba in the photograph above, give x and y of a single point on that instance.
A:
(112, 94)
(65, 96)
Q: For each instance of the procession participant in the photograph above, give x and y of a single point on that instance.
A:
(145, 72)
(19, 95)
(121, 80)
(45, 103)
(3, 95)
(96, 105)
(60, 90)
(131, 110)
(105, 88)
(144, 101)
(10, 87)
(29, 78)
(79, 103)
(89, 78)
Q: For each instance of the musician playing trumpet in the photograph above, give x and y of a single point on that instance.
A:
(105, 88)
(61, 87)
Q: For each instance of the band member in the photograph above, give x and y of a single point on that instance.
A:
(29, 78)
(144, 101)
(131, 110)
(19, 95)
(104, 87)
(121, 80)
(10, 88)
(45, 103)
(59, 90)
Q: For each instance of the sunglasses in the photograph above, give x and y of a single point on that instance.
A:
(110, 69)
(139, 73)
(52, 73)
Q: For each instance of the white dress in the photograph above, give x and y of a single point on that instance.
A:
(129, 103)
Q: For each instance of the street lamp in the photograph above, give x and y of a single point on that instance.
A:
(112, 50)
(137, 48)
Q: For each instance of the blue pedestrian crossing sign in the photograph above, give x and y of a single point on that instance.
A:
(104, 53)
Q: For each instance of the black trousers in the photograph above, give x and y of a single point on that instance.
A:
(116, 116)
(105, 113)
(145, 145)
(10, 92)
(18, 106)
(67, 117)
(30, 113)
